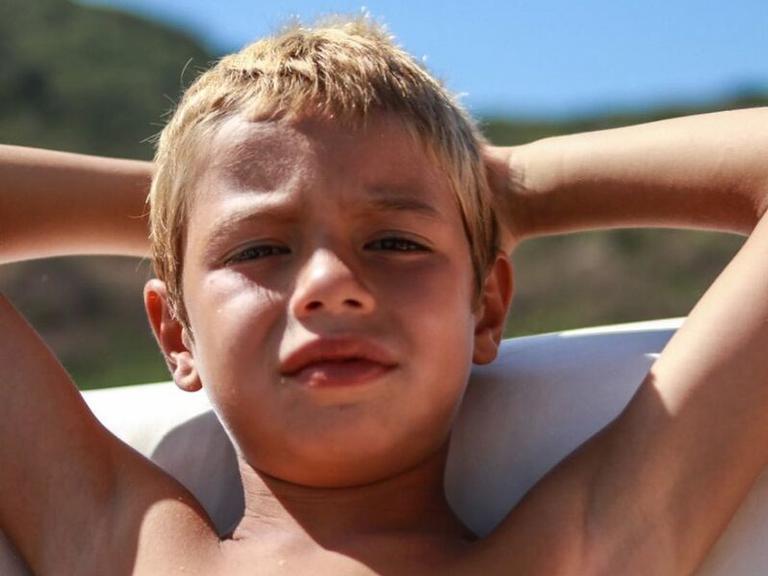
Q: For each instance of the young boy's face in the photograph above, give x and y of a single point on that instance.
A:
(329, 290)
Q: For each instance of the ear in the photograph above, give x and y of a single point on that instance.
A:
(171, 336)
(491, 313)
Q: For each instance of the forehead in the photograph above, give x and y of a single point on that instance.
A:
(264, 156)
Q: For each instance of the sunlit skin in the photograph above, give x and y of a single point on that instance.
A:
(308, 231)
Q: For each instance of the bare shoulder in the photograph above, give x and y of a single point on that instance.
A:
(538, 537)
(150, 524)
(157, 526)
(72, 495)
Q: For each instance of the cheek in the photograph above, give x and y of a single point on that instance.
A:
(234, 322)
(434, 300)
(433, 308)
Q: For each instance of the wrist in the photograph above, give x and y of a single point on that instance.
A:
(506, 168)
(534, 177)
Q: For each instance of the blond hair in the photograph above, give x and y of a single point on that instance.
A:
(345, 69)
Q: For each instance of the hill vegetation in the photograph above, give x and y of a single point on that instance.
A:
(100, 81)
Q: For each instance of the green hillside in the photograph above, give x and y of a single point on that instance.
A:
(87, 79)
(100, 81)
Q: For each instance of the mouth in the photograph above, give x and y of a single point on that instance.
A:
(339, 373)
(336, 362)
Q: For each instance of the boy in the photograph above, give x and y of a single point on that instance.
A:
(328, 270)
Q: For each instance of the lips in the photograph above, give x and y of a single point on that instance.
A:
(337, 362)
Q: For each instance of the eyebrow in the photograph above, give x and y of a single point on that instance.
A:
(250, 214)
(402, 200)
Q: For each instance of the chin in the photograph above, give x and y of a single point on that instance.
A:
(349, 461)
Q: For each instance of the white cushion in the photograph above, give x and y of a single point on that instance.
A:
(522, 414)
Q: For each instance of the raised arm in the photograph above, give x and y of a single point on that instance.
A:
(651, 493)
(57, 203)
(707, 171)
(73, 498)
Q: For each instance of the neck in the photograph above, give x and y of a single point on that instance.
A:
(410, 502)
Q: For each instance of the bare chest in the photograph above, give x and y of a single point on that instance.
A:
(401, 559)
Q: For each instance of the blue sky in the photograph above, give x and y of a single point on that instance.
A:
(534, 57)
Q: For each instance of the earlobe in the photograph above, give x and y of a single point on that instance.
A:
(171, 336)
(183, 368)
(492, 312)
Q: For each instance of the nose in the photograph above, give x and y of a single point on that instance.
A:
(327, 284)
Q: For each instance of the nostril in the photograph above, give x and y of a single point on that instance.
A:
(353, 303)
(314, 305)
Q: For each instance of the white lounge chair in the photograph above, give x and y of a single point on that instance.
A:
(522, 414)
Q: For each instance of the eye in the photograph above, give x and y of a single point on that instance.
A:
(397, 244)
(257, 252)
